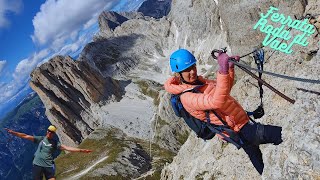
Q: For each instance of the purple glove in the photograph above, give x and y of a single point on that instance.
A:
(223, 63)
(236, 58)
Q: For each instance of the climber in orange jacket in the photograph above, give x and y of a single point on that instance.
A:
(215, 95)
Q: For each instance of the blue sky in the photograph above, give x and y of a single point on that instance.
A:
(33, 31)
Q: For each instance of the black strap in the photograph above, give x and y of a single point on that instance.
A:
(217, 115)
(219, 130)
(234, 137)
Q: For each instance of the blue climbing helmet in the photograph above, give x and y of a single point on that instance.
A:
(181, 59)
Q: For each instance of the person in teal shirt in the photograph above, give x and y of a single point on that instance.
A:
(43, 162)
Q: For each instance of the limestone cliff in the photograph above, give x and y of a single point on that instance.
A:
(68, 89)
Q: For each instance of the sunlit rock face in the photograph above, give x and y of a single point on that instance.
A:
(68, 88)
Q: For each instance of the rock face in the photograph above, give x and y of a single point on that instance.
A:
(68, 89)
(132, 15)
(155, 8)
(129, 49)
(108, 21)
(170, 131)
(248, 13)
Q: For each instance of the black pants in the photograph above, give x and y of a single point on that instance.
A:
(38, 172)
(253, 134)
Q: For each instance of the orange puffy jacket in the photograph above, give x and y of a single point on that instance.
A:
(214, 95)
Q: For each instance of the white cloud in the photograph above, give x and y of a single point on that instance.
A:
(21, 76)
(8, 6)
(91, 22)
(2, 64)
(128, 5)
(9, 90)
(76, 46)
(25, 66)
(57, 19)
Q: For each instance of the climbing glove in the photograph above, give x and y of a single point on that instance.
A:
(223, 63)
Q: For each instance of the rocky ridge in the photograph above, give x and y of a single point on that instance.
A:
(68, 88)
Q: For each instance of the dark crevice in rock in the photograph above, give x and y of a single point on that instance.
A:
(140, 159)
(69, 128)
(155, 8)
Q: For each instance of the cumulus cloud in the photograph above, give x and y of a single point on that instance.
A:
(21, 75)
(25, 66)
(57, 19)
(8, 6)
(66, 26)
(9, 90)
(12, 94)
(77, 45)
(91, 22)
(2, 64)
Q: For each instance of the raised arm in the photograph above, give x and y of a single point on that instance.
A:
(20, 135)
(73, 149)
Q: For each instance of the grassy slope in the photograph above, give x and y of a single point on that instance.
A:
(108, 145)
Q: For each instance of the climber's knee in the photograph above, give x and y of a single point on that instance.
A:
(256, 133)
